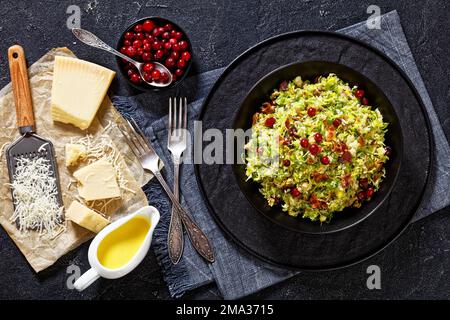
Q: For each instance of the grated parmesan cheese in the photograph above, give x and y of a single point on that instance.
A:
(36, 197)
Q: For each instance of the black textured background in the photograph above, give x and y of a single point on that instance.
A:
(415, 266)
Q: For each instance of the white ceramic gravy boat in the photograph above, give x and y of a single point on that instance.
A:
(97, 269)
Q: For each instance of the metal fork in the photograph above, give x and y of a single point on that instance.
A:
(176, 143)
(150, 161)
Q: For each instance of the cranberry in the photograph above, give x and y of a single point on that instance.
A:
(337, 122)
(314, 149)
(175, 55)
(159, 54)
(325, 160)
(148, 25)
(135, 78)
(147, 77)
(147, 46)
(186, 56)
(270, 122)
(166, 35)
(295, 192)
(361, 195)
(164, 77)
(176, 47)
(129, 35)
(388, 151)
(174, 78)
(347, 156)
(148, 67)
(172, 33)
(359, 93)
(178, 35)
(168, 27)
(146, 57)
(139, 52)
(140, 36)
(304, 143)
(370, 191)
(181, 64)
(156, 74)
(161, 30)
(318, 137)
(130, 72)
(149, 37)
(173, 41)
(137, 43)
(155, 32)
(131, 51)
(157, 45)
(127, 43)
(128, 66)
(312, 111)
(167, 46)
(170, 62)
(363, 183)
(183, 45)
(364, 101)
(123, 50)
(138, 28)
(286, 163)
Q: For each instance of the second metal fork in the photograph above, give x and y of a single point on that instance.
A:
(176, 143)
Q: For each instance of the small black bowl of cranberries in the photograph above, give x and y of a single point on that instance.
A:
(155, 39)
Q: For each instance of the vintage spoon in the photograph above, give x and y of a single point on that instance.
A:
(93, 41)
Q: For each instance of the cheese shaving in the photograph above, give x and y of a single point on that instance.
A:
(35, 196)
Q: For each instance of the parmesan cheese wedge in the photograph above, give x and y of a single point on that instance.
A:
(78, 90)
(74, 153)
(97, 181)
(85, 217)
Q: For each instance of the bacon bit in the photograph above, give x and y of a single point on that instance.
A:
(283, 86)
(255, 118)
(310, 160)
(317, 92)
(319, 177)
(345, 180)
(347, 156)
(314, 201)
(287, 123)
(267, 108)
(361, 141)
(330, 135)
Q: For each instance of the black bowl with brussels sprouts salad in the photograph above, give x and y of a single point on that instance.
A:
(319, 149)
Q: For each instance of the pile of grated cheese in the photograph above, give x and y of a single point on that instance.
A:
(35, 196)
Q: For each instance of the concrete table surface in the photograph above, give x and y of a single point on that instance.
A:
(415, 266)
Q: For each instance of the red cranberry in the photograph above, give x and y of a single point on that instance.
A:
(178, 72)
(156, 32)
(123, 50)
(337, 122)
(176, 47)
(137, 43)
(148, 25)
(181, 64)
(138, 28)
(161, 30)
(166, 35)
(286, 162)
(359, 93)
(148, 67)
(135, 78)
(156, 74)
(270, 122)
(370, 191)
(157, 45)
(131, 51)
(147, 76)
(149, 37)
(172, 33)
(364, 183)
(183, 45)
(159, 54)
(178, 35)
(361, 195)
(147, 46)
(146, 57)
(174, 78)
(168, 27)
(304, 143)
(167, 46)
(173, 41)
(175, 55)
(129, 35)
(139, 52)
(364, 101)
(314, 149)
(325, 160)
(127, 43)
(164, 77)
(311, 111)
(130, 72)
(318, 137)
(186, 56)
(295, 192)
(140, 36)
(170, 62)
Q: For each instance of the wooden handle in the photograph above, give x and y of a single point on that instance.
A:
(21, 88)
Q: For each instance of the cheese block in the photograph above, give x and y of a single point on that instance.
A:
(85, 217)
(97, 181)
(74, 153)
(78, 90)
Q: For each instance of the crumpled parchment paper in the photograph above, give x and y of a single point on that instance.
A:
(42, 251)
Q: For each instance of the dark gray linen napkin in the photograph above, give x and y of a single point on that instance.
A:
(235, 272)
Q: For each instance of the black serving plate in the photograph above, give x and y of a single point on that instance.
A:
(310, 70)
(350, 242)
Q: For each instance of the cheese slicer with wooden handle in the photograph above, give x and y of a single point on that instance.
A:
(29, 145)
